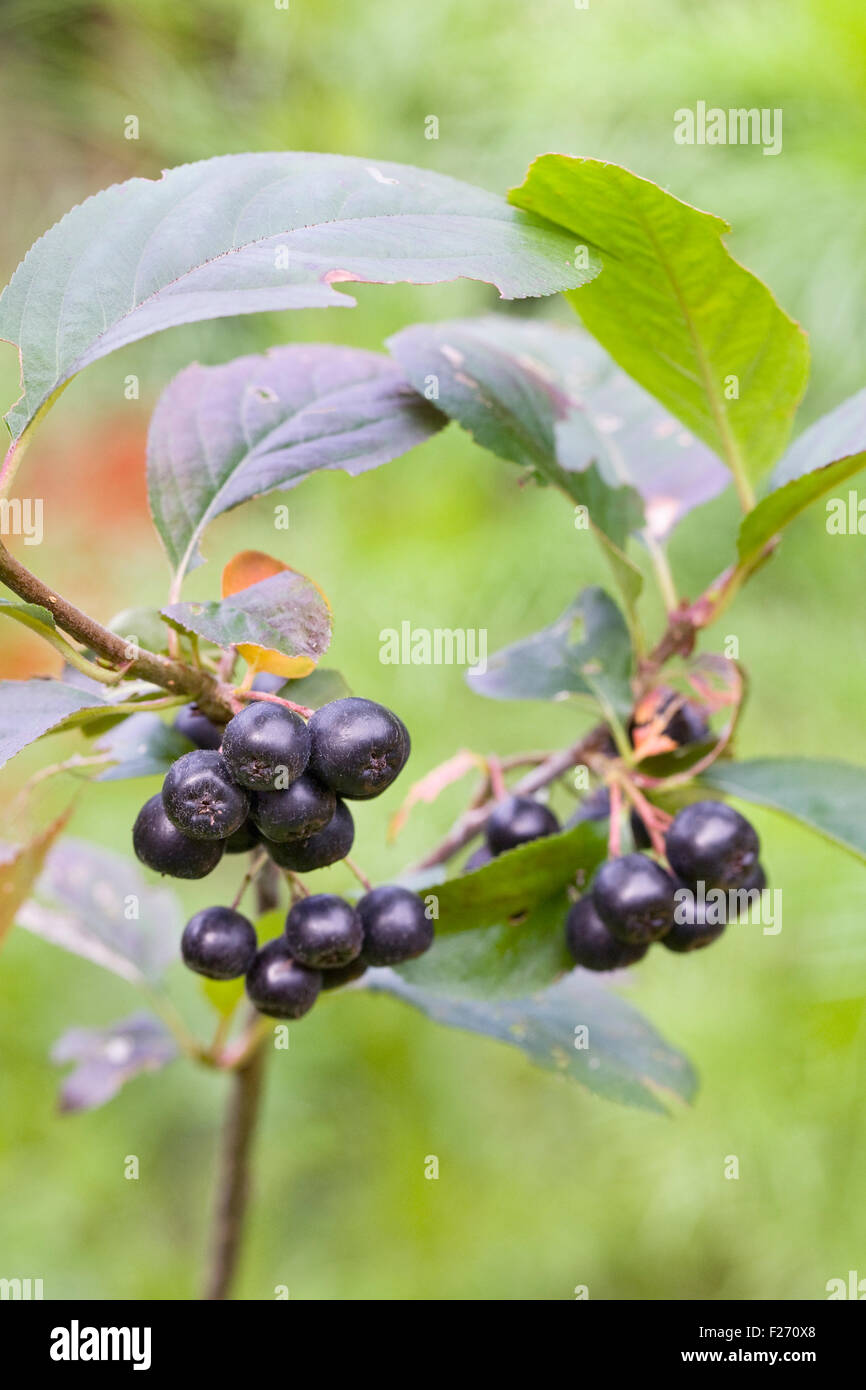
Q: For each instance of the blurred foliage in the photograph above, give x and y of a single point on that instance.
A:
(541, 1188)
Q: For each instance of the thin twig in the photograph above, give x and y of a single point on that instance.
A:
(361, 877)
(471, 822)
(233, 1182)
(303, 710)
(257, 864)
(614, 833)
(171, 675)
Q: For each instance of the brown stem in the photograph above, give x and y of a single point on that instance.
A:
(160, 670)
(470, 823)
(233, 1180)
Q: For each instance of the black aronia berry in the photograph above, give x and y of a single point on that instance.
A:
(250, 788)
(710, 842)
(358, 747)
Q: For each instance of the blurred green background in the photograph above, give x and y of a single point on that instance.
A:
(542, 1187)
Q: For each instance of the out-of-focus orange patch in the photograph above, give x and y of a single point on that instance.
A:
(96, 475)
(23, 655)
(250, 567)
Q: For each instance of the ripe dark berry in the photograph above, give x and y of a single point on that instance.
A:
(756, 882)
(699, 919)
(478, 859)
(710, 842)
(200, 730)
(335, 979)
(246, 837)
(592, 945)
(697, 922)
(201, 799)
(396, 927)
(517, 819)
(687, 724)
(161, 846)
(219, 943)
(324, 932)
(278, 985)
(296, 811)
(266, 746)
(634, 897)
(316, 851)
(359, 747)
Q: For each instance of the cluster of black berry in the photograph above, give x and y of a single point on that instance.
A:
(634, 900)
(269, 778)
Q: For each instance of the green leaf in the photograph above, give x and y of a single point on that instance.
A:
(250, 232)
(829, 797)
(319, 688)
(587, 651)
(145, 627)
(676, 310)
(499, 929)
(29, 709)
(141, 746)
(32, 615)
(509, 959)
(223, 995)
(221, 435)
(625, 1060)
(518, 880)
(825, 456)
(285, 613)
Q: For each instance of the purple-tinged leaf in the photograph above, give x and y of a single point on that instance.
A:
(578, 1027)
(221, 435)
(285, 614)
(106, 1058)
(551, 398)
(249, 232)
(97, 905)
(29, 709)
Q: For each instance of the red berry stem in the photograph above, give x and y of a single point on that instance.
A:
(302, 710)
